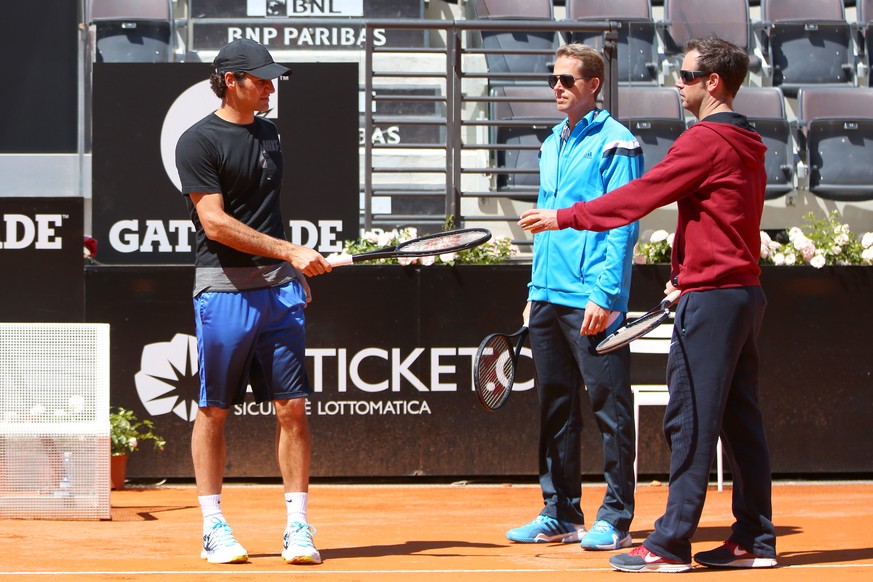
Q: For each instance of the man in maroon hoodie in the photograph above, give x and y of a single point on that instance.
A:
(715, 173)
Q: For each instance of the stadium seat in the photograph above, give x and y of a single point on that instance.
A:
(687, 19)
(132, 31)
(637, 39)
(806, 44)
(836, 131)
(765, 109)
(528, 124)
(518, 56)
(654, 116)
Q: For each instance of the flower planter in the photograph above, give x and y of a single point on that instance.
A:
(117, 471)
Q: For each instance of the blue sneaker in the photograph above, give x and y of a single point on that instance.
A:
(219, 545)
(602, 536)
(546, 529)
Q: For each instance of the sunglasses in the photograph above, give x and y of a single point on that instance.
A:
(566, 80)
(689, 76)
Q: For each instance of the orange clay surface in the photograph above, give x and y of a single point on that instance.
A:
(418, 532)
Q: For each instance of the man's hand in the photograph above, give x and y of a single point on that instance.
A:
(308, 261)
(596, 319)
(539, 220)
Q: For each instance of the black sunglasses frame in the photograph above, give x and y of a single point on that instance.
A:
(689, 76)
(552, 80)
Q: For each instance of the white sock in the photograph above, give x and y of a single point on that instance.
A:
(210, 505)
(295, 505)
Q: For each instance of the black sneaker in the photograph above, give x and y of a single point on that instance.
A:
(642, 560)
(732, 555)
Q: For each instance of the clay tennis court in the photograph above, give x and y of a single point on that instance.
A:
(417, 532)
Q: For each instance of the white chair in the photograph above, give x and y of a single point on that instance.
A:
(658, 342)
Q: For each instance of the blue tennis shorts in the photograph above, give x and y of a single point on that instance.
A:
(256, 337)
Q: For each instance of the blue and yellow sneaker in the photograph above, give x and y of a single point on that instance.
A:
(602, 536)
(546, 529)
(297, 544)
(219, 545)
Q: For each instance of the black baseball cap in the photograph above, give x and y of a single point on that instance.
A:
(247, 56)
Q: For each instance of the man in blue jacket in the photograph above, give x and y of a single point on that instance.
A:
(578, 291)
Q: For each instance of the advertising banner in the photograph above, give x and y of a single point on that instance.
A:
(140, 110)
(301, 24)
(41, 256)
(390, 351)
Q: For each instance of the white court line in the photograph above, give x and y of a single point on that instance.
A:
(310, 572)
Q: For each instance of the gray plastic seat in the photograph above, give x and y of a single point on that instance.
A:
(765, 109)
(132, 31)
(531, 122)
(807, 43)
(687, 19)
(637, 38)
(654, 116)
(837, 128)
(521, 47)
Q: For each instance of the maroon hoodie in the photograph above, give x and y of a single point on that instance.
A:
(715, 173)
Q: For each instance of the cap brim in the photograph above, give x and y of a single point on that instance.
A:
(270, 71)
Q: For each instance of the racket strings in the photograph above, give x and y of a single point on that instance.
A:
(637, 328)
(441, 242)
(496, 371)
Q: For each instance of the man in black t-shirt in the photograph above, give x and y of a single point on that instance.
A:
(250, 290)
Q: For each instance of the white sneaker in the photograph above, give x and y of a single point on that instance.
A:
(219, 545)
(297, 544)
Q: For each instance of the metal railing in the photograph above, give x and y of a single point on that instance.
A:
(468, 149)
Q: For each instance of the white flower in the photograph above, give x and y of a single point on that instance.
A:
(790, 259)
(765, 245)
(658, 236)
(779, 259)
(372, 236)
(407, 260)
(384, 239)
(639, 259)
(867, 255)
(841, 239)
(867, 240)
(448, 257)
(670, 239)
(427, 261)
(132, 442)
(800, 241)
(818, 261)
(836, 249)
(808, 251)
(795, 232)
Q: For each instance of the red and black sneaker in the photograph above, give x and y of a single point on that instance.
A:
(643, 560)
(731, 555)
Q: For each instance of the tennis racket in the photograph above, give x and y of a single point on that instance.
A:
(638, 327)
(494, 367)
(440, 243)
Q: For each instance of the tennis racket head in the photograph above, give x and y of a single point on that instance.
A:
(494, 368)
(439, 243)
(633, 330)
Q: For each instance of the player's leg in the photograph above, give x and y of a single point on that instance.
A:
(746, 448)
(224, 351)
(279, 374)
(557, 380)
(708, 337)
(607, 378)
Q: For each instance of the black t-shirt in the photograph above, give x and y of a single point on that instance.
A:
(244, 164)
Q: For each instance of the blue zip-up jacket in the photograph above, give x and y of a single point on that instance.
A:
(571, 267)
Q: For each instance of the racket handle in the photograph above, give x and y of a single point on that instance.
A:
(339, 260)
(670, 299)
